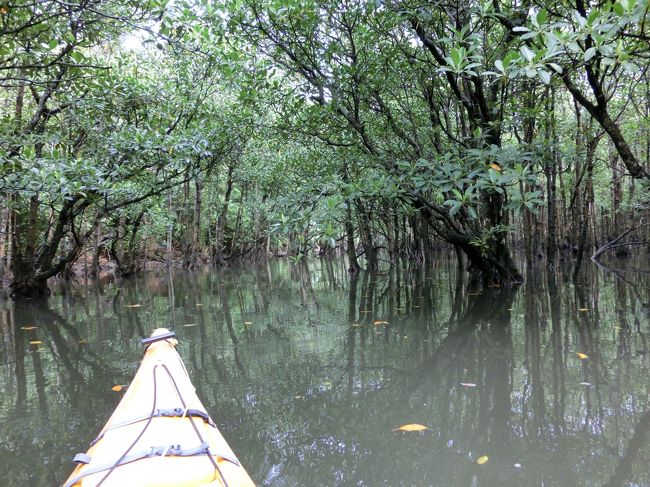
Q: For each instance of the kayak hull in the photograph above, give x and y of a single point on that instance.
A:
(160, 433)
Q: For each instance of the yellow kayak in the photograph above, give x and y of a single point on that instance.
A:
(160, 434)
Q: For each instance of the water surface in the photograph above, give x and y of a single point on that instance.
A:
(307, 372)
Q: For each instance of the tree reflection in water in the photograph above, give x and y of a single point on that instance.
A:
(307, 370)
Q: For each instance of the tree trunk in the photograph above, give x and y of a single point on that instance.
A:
(222, 220)
(350, 248)
(191, 256)
(97, 250)
(24, 238)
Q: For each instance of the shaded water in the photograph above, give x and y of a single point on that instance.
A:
(307, 383)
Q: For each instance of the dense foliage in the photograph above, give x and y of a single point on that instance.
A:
(190, 132)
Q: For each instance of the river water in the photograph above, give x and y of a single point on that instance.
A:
(307, 372)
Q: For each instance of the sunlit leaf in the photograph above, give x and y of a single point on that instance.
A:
(582, 356)
(35, 342)
(468, 384)
(583, 309)
(377, 323)
(118, 387)
(133, 306)
(248, 322)
(411, 427)
(495, 166)
(482, 460)
(28, 327)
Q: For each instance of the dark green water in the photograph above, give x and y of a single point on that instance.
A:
(304, 398)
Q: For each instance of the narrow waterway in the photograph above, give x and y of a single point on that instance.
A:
(307, 372)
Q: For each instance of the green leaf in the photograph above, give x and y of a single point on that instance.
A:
(589, 53)
(545, 76)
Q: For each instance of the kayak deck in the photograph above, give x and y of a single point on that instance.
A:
(160, 434)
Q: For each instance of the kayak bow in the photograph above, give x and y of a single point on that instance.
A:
(160, 434)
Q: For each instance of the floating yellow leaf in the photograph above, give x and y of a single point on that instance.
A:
(482, 460)
(582, 356)
(117, 388)
(35, 342)
(248, 322)
(377, 323)
(495, 166)
(28, 327)
(583, 309)
(468, 384)
(190, 324)
(198, 305)
(133, 306)
(411, 427)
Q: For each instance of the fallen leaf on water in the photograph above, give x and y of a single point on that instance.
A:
(468, 384)
(133, 306)
(582, 356)
(248, 322)
(198, 304)
(585, 383)
(583, 309)
(28, 327)
(190, 324)
(377, 323)
(495, 166)
(117, 388)
(35, 342)
(482, 460)
(411, 427)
